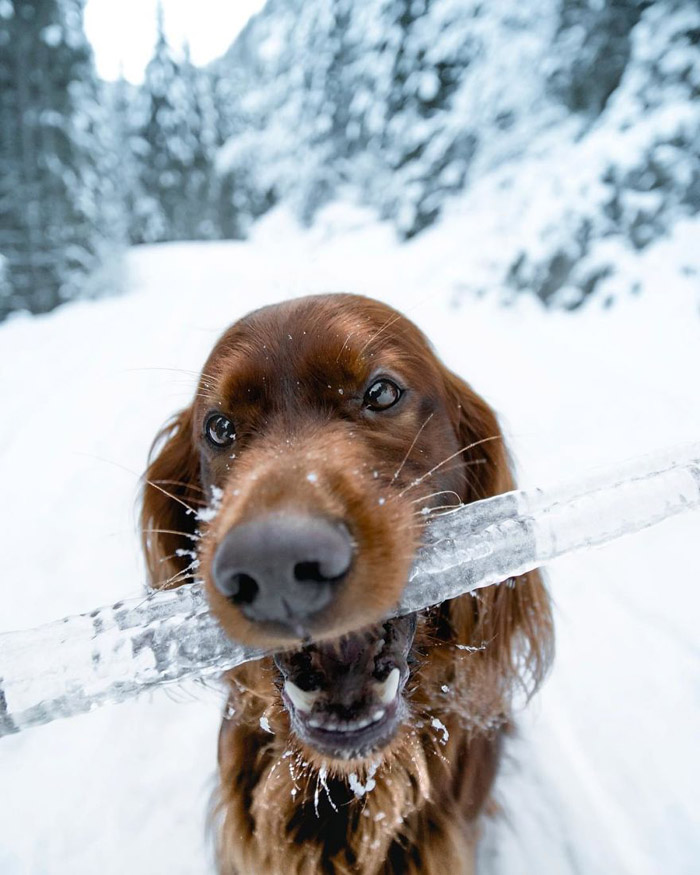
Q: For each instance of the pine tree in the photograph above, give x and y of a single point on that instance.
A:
(57, 201)
(160, 176)
(120, 99)
(428, 155)
(331, 131)
(201, 139)
(178, 138)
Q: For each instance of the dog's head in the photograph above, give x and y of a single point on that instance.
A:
(323, 434)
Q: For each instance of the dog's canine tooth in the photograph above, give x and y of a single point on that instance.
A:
(378, 715)
(303, 700)
(386, 690)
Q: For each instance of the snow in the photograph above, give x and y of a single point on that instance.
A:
(436, 723)
(604, 775)
(359, 788)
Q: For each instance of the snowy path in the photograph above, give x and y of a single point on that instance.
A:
(605, 776)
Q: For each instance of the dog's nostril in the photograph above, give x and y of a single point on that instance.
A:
(309, 571)
(245, 589)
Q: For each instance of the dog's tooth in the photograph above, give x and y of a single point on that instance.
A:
(361, 724)
(378, 715)
(387, 690)
(303, 700)
(315, 722)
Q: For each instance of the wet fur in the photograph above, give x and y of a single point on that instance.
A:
(281, 808)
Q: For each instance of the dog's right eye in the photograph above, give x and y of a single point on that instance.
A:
(218, 430)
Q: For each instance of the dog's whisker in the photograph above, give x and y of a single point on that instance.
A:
(177, 555)
(410, 449)
(440, 510)
(140, 477)
(174, 370)
(192, 536)
(342, 348)
(175, 498)
(389, 322)
(186, 483)
(176, 580)
(437, 467)
(435, 494)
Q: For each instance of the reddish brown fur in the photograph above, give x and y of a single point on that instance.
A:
(277, 373)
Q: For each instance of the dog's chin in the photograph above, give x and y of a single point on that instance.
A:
(345, 697)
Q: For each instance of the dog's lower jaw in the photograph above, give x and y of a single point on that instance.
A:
(345, 697)
(408, 810)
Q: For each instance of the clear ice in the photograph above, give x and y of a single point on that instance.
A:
(111, 654)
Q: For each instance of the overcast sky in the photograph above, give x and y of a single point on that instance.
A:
(123, 32)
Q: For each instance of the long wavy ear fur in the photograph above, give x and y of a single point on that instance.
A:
(513, 621)
(171, 495)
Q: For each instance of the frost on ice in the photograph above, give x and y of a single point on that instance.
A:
(76, 664)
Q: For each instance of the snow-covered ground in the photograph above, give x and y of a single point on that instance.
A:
(605, 776)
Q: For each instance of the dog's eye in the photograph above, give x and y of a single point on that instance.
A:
(382, 394)
(219, 430)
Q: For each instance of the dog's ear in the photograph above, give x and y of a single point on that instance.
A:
(487, 464)
(511, 621)
(171, 495)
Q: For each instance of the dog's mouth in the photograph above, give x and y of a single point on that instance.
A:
(345, 697)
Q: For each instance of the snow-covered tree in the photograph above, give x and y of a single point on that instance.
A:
(121, 103)
(162, 165)
(594, 42)
(178, 134)
(402, 104)
(60, 216)
(364, 97)
(201, 139)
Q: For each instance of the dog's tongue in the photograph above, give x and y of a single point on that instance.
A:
(346, 667)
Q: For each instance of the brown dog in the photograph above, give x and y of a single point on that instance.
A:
(325, 431)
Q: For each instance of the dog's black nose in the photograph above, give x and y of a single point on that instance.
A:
(282, 568)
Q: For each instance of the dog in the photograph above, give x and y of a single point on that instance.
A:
(323, 435)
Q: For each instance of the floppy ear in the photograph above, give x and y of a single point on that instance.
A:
(171, 495)
(487, 463)
(512, 621)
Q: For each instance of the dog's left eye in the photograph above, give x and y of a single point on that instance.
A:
(219, 430)
(382, 394)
